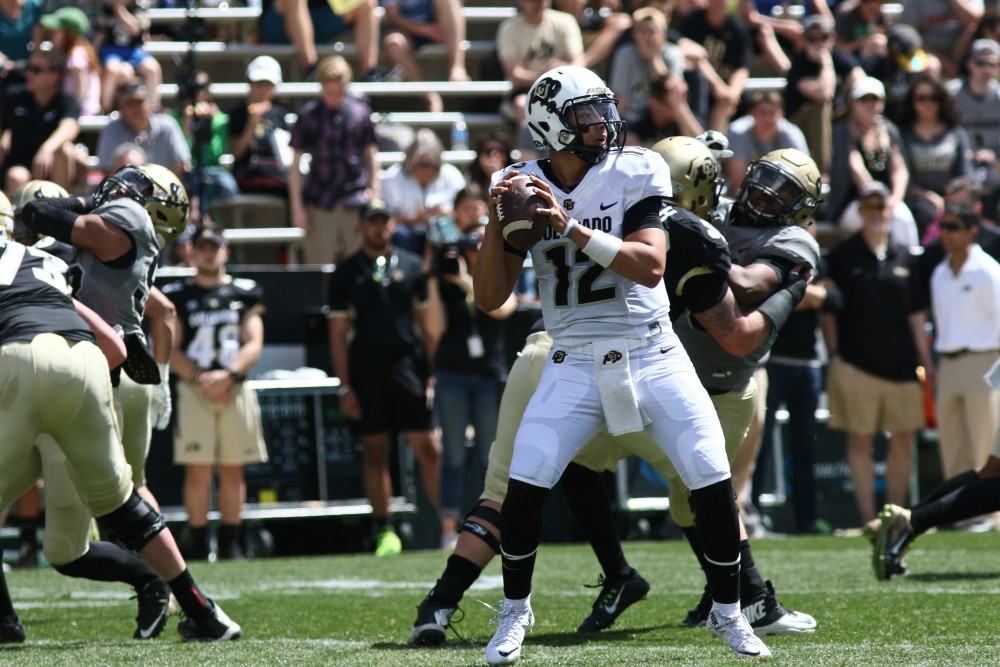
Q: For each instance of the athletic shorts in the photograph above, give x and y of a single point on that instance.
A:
(392, 394)
(864, 404)
(208, 433)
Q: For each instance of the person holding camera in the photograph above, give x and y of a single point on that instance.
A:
(206, 128)
(258, 132)
(470, 366)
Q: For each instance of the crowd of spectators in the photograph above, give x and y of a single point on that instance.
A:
(895, 107)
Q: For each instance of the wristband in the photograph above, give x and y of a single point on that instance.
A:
(164, 372)
(602, 247)
(235, 376)
(49, 220)
(570, 226)
(779, 306)
(344, 389)
(196, 372)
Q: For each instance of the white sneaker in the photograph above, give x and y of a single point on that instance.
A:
(738, 634)
(512, 624)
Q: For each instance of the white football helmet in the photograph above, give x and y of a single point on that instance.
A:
(564, 103)
(158, 190)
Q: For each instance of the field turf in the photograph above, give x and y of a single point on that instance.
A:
(349, 611)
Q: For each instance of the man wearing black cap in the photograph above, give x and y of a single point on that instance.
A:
(386, 383)
(218, 421)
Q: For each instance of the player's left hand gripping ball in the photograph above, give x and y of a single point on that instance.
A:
(521, 226)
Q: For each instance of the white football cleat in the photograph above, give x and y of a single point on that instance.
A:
(512, 624)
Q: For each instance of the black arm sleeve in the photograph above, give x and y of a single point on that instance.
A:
(642, 214)
(49, 220)
(74, 204)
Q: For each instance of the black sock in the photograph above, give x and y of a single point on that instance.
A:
(189, 596)
(981, 496)
(459, 574)
(591, 506)
(751, 583)
(948, 486)
(28, 534)
(520, 534)
(106, 561)
(6, 604)
(199, 542)
(719, 532)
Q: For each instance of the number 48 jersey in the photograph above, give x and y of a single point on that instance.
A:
(581, 300)
(212, 317)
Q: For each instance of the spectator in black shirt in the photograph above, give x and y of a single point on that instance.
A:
(385, 382)
(40, 124)
(876, 342)
(258, 133)
(727, 66)
(819, 74)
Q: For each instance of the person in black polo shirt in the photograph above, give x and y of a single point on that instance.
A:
(385, 381)
(39, 124)
(875, 347)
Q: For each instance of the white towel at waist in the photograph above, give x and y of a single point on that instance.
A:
(622, 411)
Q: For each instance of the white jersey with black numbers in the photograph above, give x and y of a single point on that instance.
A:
(117, 290)
(581, 300)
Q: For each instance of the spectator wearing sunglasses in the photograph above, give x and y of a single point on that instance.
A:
(935, 147)
(40, 124)
(977, 96)
(876, 342)
(965, 301)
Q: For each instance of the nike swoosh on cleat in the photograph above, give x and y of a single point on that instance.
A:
(664, 350)
(146, 633)
(506, 653)
(612, 608)
(605, 207)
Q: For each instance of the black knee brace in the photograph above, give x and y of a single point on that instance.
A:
(489, 515)
(135, 522)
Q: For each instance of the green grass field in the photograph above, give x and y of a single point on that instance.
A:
(356, 610)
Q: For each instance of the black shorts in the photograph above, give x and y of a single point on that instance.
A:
(391, 393)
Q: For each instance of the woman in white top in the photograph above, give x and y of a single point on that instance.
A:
(69, 27)
(420, 190)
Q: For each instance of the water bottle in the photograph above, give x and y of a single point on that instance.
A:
(460, 136)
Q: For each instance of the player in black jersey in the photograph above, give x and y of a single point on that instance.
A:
(55, 381)
(218, 417)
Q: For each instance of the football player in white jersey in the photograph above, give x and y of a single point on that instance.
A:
(616, 362)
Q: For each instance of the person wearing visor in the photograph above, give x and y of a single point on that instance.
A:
(600, 266)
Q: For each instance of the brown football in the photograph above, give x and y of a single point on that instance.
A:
(516, 214)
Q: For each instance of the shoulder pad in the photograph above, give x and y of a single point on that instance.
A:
(698, 242)
(791, 243)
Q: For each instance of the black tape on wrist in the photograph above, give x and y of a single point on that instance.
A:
(49, 220)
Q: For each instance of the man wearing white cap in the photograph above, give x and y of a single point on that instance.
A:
(258, 133)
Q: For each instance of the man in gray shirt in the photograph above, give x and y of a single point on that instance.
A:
(158, 134)
(762, 130)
